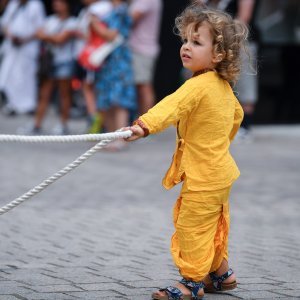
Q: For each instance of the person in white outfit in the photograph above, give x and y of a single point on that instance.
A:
(20, 50)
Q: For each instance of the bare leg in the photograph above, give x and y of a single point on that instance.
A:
(94, 119)
(90, 98)
(64, 86)
(224, 267)
(116, 118)
(121, 117)
(146, 97)
(44, 99)
(108, 117)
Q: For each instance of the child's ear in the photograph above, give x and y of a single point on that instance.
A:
(217, 58)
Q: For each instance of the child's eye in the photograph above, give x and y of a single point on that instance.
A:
(184, 41)
(196, 43)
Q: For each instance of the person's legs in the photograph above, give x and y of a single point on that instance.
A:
(220, 264)
(121, 116)
(64, 87)
(197, 223)
(90, 98)
(116, 117)
(108, 119)
(200, 242)
(201, 231)
(95, 119)
(223, 268)
(143, 67)
(44, 99)
(145, 97)
(247, 86)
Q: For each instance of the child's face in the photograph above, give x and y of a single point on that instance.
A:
(197, 50)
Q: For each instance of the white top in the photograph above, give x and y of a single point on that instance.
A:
(63, 52)
(145, 33)
(16, 19)
(100, 9)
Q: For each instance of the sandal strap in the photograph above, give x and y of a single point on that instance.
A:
(217, 280)
(173, 293)
(193, 286)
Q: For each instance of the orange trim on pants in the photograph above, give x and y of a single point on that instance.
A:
(200, 241)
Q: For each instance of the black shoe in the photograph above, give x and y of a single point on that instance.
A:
(7, 111)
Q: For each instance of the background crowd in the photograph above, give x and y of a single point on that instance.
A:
(46, 57)
(49, 54)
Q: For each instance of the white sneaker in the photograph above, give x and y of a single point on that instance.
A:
(60, 129)
(29, 129)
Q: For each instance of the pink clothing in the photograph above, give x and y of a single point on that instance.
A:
(145, 33)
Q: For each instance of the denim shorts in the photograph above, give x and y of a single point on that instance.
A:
(63, 70)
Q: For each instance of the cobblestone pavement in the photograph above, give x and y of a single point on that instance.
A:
(102, 231)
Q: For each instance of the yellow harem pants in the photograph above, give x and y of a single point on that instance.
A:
(200, 241)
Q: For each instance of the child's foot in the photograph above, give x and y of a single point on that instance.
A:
(216, 281)
(231, 278)
(162, 294)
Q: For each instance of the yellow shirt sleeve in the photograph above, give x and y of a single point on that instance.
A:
(173, 107)
(238, 118)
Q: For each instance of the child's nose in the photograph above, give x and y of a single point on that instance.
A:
(186, 45)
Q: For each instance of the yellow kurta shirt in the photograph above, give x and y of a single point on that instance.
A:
(207, 116)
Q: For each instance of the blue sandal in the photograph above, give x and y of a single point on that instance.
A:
(174, 293)
(217, 284)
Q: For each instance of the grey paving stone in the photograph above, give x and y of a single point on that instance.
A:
(106, 226)
(48, 296)
(57, 288)
(291, 293)
(97, 295)
(256, 295)
(11, 297)
(261, 287)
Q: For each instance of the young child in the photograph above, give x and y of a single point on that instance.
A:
(207, 116)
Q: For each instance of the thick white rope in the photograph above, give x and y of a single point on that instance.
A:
(63, 138)
(109, 137)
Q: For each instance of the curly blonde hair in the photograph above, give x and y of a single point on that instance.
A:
(229, 36)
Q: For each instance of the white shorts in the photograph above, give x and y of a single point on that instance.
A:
(143, 67)
(247, 85)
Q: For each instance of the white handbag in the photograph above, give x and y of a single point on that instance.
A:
(100, 54)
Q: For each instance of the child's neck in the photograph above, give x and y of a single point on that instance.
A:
(202, 71)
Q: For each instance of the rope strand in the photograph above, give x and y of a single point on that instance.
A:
(65, 138)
